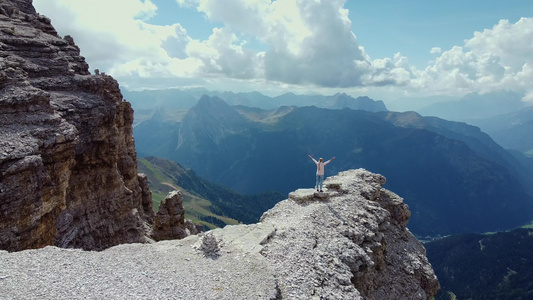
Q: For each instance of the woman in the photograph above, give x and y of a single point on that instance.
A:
(320, 172)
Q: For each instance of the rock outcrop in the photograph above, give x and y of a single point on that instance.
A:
(67, 157)
(350, 242)
(170, 222)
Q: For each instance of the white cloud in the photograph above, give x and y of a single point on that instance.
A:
(396, 71)
(303, 44)
(327, 53)
(510, 42)
(495, 59)
(220, 55)
(107, 37)
(307, 42)
(244, 16)
(435, 50)
(188, 3)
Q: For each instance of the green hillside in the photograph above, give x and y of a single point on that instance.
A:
(197, 208)
(205, 203)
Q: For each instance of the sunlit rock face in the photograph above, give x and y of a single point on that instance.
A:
(350, 242)
(67, 157)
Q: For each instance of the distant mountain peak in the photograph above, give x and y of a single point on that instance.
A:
(211, 118)
(209, 101)
(343, 100)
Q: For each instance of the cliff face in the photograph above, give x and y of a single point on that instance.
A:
(67, 157)
(349, 242)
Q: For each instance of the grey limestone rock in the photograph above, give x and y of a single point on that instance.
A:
(68, 174)
(170, 222)
(351, 242)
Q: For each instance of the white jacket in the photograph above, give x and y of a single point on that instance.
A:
(320, 166)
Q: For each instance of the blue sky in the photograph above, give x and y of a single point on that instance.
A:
(414, 27)
(390, 50)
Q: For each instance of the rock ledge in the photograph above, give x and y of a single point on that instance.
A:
(351, 244)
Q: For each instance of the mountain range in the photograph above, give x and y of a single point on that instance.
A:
(69, 179)
(468, 266)
(502, 114)
(511, 130)
(454, 177)
(185, 99)
(476, 106)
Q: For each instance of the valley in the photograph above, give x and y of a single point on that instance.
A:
(450, 174)
(208, 204)
(453, 176)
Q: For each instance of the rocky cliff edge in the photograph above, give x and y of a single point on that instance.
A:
(68, 174)
(350, 242)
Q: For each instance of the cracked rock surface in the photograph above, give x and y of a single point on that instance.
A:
(350, 242)
(68, 172)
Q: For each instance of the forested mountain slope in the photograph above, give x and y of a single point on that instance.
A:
(477, 266)
(206, 203)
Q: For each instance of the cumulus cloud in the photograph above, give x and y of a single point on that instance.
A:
(220, 55)
(495, 59)
(244, 16)
(301, 43)
(510, 42)
(327, 55)
(98, 30)
(309, 42)
(396, 71)
(305, 42)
